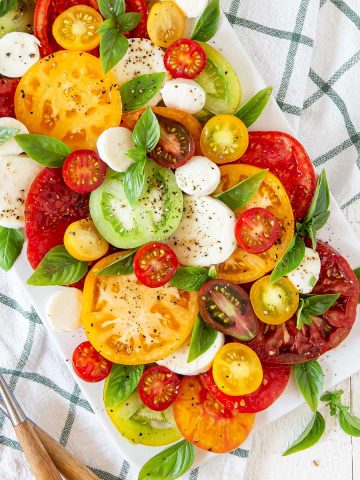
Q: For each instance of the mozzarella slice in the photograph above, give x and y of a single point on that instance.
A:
(18, 52)
(199, 176)
(11, 147)
(306, 275)
(177, 361)
(205, 235)
(63, 309)
(17, 173)
(184, 94)
(112, 146)
(192, 8)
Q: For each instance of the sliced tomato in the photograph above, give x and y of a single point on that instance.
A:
(274, 382)
(83, 171)
(155, 264)
(288, 160)
(205, 422)
(285, 344)
(7, 92)
(88, 364)
(158, 387)
(257, 230)
(138, 6)
(84, 242)
(185, 59)
(166, 23)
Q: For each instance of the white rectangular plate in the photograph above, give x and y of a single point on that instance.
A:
(338, 364)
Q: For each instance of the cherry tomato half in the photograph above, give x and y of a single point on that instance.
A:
(83, 171)
(84, 242)
(155, 264)
(166, 23)
(158, 387)
(88, 364)
(185, 59)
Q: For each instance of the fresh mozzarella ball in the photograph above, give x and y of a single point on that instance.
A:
(18, 52)
(192, 8)
(205, 235)
(63, 309)
(177, 361)
(199, 176)
(306, 275)
(112, 146)
(10, 147)
(184, 94)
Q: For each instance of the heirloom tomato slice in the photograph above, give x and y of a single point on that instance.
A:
(138, 6)
(7, 92)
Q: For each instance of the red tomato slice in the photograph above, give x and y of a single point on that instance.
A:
(83, 171)
(286, 158)
(155, 264)
(88, 364)
(185, 59)
(285, 344)
(274, 383)
(138, 6)
(257, 230)
(7, 92)
(158, 387)
(50, 207)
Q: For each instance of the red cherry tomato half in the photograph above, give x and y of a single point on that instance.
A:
(83, 171)
(88, 364)
(185, 59)
(7, 92)
(155, 264)
(138, 6)
(257, 230)
(158, 387)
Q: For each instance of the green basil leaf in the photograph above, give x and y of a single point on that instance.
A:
(6, 6)
(241, 193)
(109, 24)
(11, 242)
(58, 267)
(357, 273)
(349, 423)
(320, 220)
(332, 396)
(310, 380)
(6, 133)
(212, 273)
(128, 21)
(321, 199)
(208, 23)
(202, 338)
(189, 279)
(319, 304)
(252, 110)
(45, 150)
(122, 266)
(121, 382)
(311, 435)
(291, 259)
(113, 46)
(134, 181)
(169, 464)
(140, 90)
(147, 131)
(137, 154)
(302, 315)
(111, 8)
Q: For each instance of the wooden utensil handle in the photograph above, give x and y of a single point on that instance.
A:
(38, 459)
(66, 463)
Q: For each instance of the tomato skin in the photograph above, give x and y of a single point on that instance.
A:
(185, 59)
(84, 242)
(257, 230)
(84, 171)
(155, 264)
(158, 387)
(138, 6)
(7, 92)
(88, 364)
(165, 23)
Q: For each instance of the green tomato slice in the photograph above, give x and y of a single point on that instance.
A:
(19, 18)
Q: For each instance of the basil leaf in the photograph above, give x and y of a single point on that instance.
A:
(122, 266)
(111, 8)
(311, 435)
(319, 304)
(6, 133)
(357, 273)
(291, 259)
(202, 338)
(58, 267)
(137, 154)
(113, 46)
(189, 279)
(6, 6)
(45, 150)
(302, 316)
(310, 380)
(208, 23)
(349, 423)
(332, 396)
(11, 242)
(241, 193)
(134, 181)
(140, 90)
(147, 131)
(128, 21)
(108, 24)
(121, 382)
(252, 110)
(169, 464)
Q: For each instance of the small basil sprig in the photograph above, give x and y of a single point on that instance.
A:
(202, 338)
(11, 242)
(6, 6)
(241, 193)
(140, 90)
(314, 305)
(6, 133)
(309, 377)
(252, 110)
(169, 464)
(349, 423)
(190, 279)
(311, 435)
(291, 259)
(357, 273)
(122, 266)
(121, 382)
(208, 23)
(45, 150)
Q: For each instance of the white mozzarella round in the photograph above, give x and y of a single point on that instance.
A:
(306, 275)
(112, 146)
(184, 94)
(17, 173)
(199, 176)
(10, 147)
(192, 8)
(177, 361)
(63, 309)
(18, 52)
(205, 235)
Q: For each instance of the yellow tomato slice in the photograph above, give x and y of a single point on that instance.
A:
(242, 266)
(132, 324)
(237, 369)
(165, 24)
(84, 242)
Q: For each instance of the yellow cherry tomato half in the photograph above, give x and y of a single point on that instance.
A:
(237, 369)
(76, 27)
(274, 303)
(165, 24)
(224, 139)
(84, 242)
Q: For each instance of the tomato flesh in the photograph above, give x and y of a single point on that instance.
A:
(7, 92)
(88, 364)
(158, 387)
(185, 59)
(138, 6)
(165, 24)
(84, 171)
(84, 242)
(155, 264)
(257, 230)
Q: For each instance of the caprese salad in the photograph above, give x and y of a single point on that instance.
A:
(185, 245)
